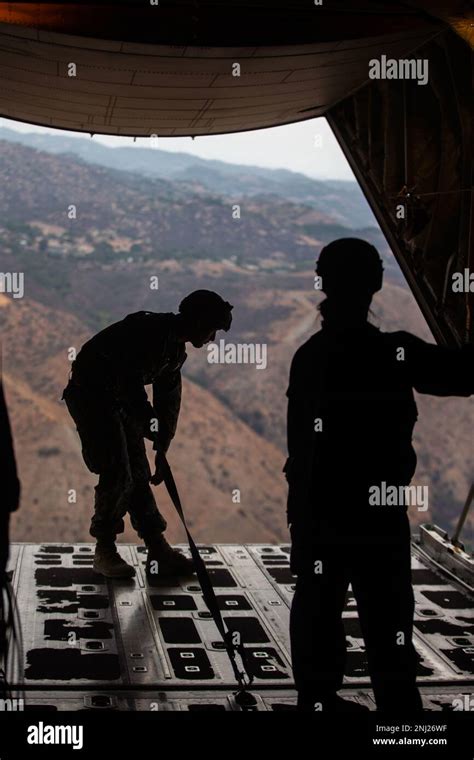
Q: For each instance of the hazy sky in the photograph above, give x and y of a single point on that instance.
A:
(308, 147)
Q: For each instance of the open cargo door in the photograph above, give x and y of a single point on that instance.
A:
(409, 146)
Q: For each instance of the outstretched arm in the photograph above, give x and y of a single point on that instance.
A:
(439, 370)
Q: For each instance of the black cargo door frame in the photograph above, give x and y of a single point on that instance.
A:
(409, 146)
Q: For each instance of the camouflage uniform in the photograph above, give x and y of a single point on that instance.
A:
(107, 400)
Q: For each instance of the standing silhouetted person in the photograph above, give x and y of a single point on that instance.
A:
(9, 483)
(351, 414)
(9, 502)
(108, 402)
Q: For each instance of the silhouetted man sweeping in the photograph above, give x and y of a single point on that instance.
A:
(108, 402)
(351, 414)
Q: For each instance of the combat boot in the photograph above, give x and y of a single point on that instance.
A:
(108, 562)
(164, 562)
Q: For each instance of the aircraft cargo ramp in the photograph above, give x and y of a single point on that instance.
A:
(95, 644)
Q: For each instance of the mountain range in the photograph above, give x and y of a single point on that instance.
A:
(340, 200)
(90, 239)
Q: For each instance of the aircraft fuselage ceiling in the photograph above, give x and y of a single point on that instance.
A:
(393, 80)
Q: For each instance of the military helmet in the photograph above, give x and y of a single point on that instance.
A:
(349, 264)
(208, 307)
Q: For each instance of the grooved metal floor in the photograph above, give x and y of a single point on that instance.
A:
(90, 643)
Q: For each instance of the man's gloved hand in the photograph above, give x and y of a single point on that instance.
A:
(158, 476)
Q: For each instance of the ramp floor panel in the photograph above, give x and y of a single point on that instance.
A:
(94, 643)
